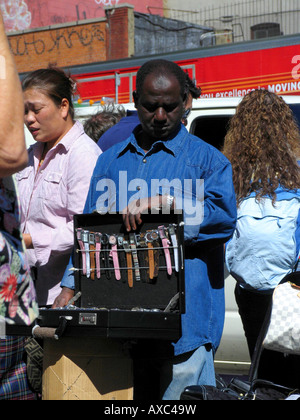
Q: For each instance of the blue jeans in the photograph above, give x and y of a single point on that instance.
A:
(161, 375)
(195, 368)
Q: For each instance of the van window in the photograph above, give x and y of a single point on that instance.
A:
(211, 129)
(296, 110)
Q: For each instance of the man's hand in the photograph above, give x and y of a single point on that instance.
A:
(132, 214)
(62, 300)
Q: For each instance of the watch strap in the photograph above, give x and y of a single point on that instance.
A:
(97, 256)
(105, 249)
(132, 242)
(165, 243)
(150, 255)
(129, 263)
(85, 240)
(92, 254)
(81, 246)
(115, 258)
(122, 257)
(175, 246)
(143, 256)
(156, 258)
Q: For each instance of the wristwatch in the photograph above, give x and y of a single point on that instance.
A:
(175, 246)
(142, 253)
(129, 262)
(114, 253)
(104, 243)
(92, 253)
(122, 258)
(153, 253)
(135, 256)
(81, 246)
(85, 240)
(98, 251)
(165, 243)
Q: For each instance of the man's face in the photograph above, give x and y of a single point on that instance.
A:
(160, 106)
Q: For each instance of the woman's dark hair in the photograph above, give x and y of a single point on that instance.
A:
(54, 82)
(161, 67)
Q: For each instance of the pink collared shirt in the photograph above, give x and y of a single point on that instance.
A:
(49, 199)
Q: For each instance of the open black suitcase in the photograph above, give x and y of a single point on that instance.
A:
(128, 302)
(255, 388)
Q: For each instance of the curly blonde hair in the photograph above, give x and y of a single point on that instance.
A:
(263, 144)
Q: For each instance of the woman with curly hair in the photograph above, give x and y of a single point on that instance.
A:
(263, 144)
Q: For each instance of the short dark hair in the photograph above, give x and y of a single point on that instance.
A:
(161, 67)
(193, 89)
(54, 82)
(106, 118)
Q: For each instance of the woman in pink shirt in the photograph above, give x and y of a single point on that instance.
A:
(55, 183)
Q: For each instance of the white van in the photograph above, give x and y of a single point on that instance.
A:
(209, 120)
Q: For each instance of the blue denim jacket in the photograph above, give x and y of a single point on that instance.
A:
(265, 246)
(179, 164)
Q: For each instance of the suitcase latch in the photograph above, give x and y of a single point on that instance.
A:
(88, 319)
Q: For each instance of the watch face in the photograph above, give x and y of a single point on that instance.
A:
(104, 239)
(120, 240)
(148, 237)
(98, 237)
(112, 240)
(171, 230)
(154, 235)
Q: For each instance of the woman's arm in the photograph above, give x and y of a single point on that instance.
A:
(13, 153)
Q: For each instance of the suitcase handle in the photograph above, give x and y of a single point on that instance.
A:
(43, 333)
(51, 333)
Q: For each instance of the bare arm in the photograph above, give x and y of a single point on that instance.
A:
(13, 154)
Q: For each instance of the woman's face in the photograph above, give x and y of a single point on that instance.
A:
(46, 121)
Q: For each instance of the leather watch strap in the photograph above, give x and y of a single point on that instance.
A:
(143, 256)
(151, 260)
(92, 254)
(85, 240)
(129, 262)
(114, 254)
(155, 239)
(135, 257)
(165, 243)
(174, 241)
(122, 258)
(98, 251)
(156, 257)
(81, 246)
(149, 241)
(105, 248)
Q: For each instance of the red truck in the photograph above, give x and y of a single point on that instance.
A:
(228, 71)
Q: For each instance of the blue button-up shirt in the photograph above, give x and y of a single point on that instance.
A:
(191, 170)
(119, 132)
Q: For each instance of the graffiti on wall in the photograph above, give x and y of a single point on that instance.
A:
(107, 2)
(72, 45)
(15, 14)
(56, 40)
(30, 14)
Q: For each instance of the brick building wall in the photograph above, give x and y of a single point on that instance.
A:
(120, 33)
(76, 43)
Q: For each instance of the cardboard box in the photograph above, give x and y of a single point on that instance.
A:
(86, 369)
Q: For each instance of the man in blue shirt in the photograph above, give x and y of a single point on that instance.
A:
(123, 129)
(162, 166)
